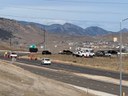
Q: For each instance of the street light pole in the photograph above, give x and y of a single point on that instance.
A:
(120, 59)
(10, 43)
(121, 65)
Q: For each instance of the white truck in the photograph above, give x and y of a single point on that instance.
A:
(84, 52)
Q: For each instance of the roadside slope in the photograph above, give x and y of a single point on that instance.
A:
(15, 81)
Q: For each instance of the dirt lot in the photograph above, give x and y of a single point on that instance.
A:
(15, 81)
(106, 63)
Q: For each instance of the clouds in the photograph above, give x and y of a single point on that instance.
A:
(85, 13)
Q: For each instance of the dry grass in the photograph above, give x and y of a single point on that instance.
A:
(96, 62)
(15, 81)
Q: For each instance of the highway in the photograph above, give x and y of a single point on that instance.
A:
(68, 77)
(75, 68)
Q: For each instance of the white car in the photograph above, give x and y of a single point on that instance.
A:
(13, 55)
(46, 61)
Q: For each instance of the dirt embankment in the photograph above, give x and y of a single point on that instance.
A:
(15, 81)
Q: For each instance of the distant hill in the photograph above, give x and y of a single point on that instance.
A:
(124, 30)
(23, 34)
(95, 31)
(70, 29)
(18, 33)
(67, 28)
(5, 35)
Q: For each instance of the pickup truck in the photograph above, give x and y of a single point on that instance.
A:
(84, 53)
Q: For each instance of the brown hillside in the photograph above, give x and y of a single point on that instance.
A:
(25, 35)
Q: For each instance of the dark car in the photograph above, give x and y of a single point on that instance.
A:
(67, 52)
(46, 52)
(103, 53)
(113, 52)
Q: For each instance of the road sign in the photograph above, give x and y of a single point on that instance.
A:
(33, 46)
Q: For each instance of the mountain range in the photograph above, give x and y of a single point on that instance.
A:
(23, 34)
(70, 29)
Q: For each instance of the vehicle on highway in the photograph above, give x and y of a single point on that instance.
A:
(13, 55)
(46, 61)
(46, 52)
(10, 54)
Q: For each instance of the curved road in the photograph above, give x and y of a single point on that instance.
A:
(79, 69)
(73, 79)
(68, 77)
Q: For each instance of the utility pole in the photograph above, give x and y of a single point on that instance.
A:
(120, 68)
(121, 65)
(10, 43)
(44, 39)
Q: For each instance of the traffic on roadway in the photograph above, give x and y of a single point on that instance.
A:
(64, 74)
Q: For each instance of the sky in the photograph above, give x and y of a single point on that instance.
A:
(106, 14)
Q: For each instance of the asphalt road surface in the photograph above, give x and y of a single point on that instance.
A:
(73, 79)
(78, 69)
(77, 80)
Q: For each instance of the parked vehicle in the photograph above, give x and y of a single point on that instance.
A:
(46, 52)
(66, 52)
(103, 53)
(84, 52)
(46, 61)
(113, 52)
